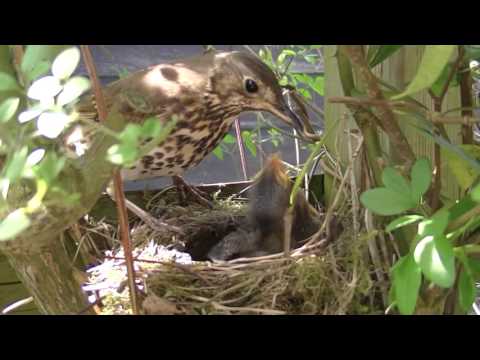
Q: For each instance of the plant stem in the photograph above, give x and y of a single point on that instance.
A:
(466, 96)
(117, 181)
(406, 157)
(363, 119)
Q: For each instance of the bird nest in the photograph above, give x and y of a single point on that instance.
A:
(324, 276)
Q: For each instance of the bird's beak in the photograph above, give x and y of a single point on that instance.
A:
(299, 123)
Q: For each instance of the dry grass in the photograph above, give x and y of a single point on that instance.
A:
(318, 278)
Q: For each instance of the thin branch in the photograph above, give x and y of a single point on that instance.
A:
(437, 157)
(433, 116)
(17, 305)
(241, 149)
(117, 180)
(406, 157)
(466, 97)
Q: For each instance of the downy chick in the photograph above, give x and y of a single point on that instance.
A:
(269, 202)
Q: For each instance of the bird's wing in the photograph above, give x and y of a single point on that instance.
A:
(144, 94)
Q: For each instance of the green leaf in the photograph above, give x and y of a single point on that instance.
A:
(435, 256)
(4, 187)
(421, 178)
(123, 154)
(311, 58)
(13, 224)
(152, 127)
(462, 169)
(14, 168)
(36, 54)
(73, 89)
(40, 69)
(8, 82)
(394, 181)
(434, 60)
(383, 201)
(407, 279)
(435, 226)
(8, 108)
(218, 152)
(66, 63)
(319, 85)
(29, 115)
(247, 138)
(383, 53)
(466, 290)
(372, 51)
(403, 221)
(281, 58)
(131, 134)
(472, 52)
(305, 93)
(229, 139)
(438, 85)
(50, 167)
(35, 157)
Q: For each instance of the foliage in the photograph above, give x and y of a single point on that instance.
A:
(37, 106)
(37, 114)
(440, 253)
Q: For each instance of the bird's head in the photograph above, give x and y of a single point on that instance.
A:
(246, 81)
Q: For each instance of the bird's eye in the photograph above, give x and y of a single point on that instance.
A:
(251, 86)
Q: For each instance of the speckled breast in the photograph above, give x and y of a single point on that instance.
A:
(185, 147)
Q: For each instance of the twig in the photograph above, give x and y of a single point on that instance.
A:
(218, 306)
(377, 263)
(18, 53)
(353, 190)
(437, 103)
(433, 116)
(466, 96)
(331, 209)
(287, 231)
(388, 121)
(117, 181)
(16, 305)
(241, 149)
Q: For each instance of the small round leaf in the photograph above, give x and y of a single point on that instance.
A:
(51, 124)
(38, 70)
(466, 290)
(421, 178)
(35, 157)
(29, 115)
(394, 181)
(74, 87)
(46, 87)
(13, 224)
(403, 221)
(8, 82)
(407, 278)
(66, 63)
(383, 201)
(436, 258)
(8, 108)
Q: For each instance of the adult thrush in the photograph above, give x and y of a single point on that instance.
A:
(205, 93)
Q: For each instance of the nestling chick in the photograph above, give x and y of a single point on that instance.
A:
(269, 202)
